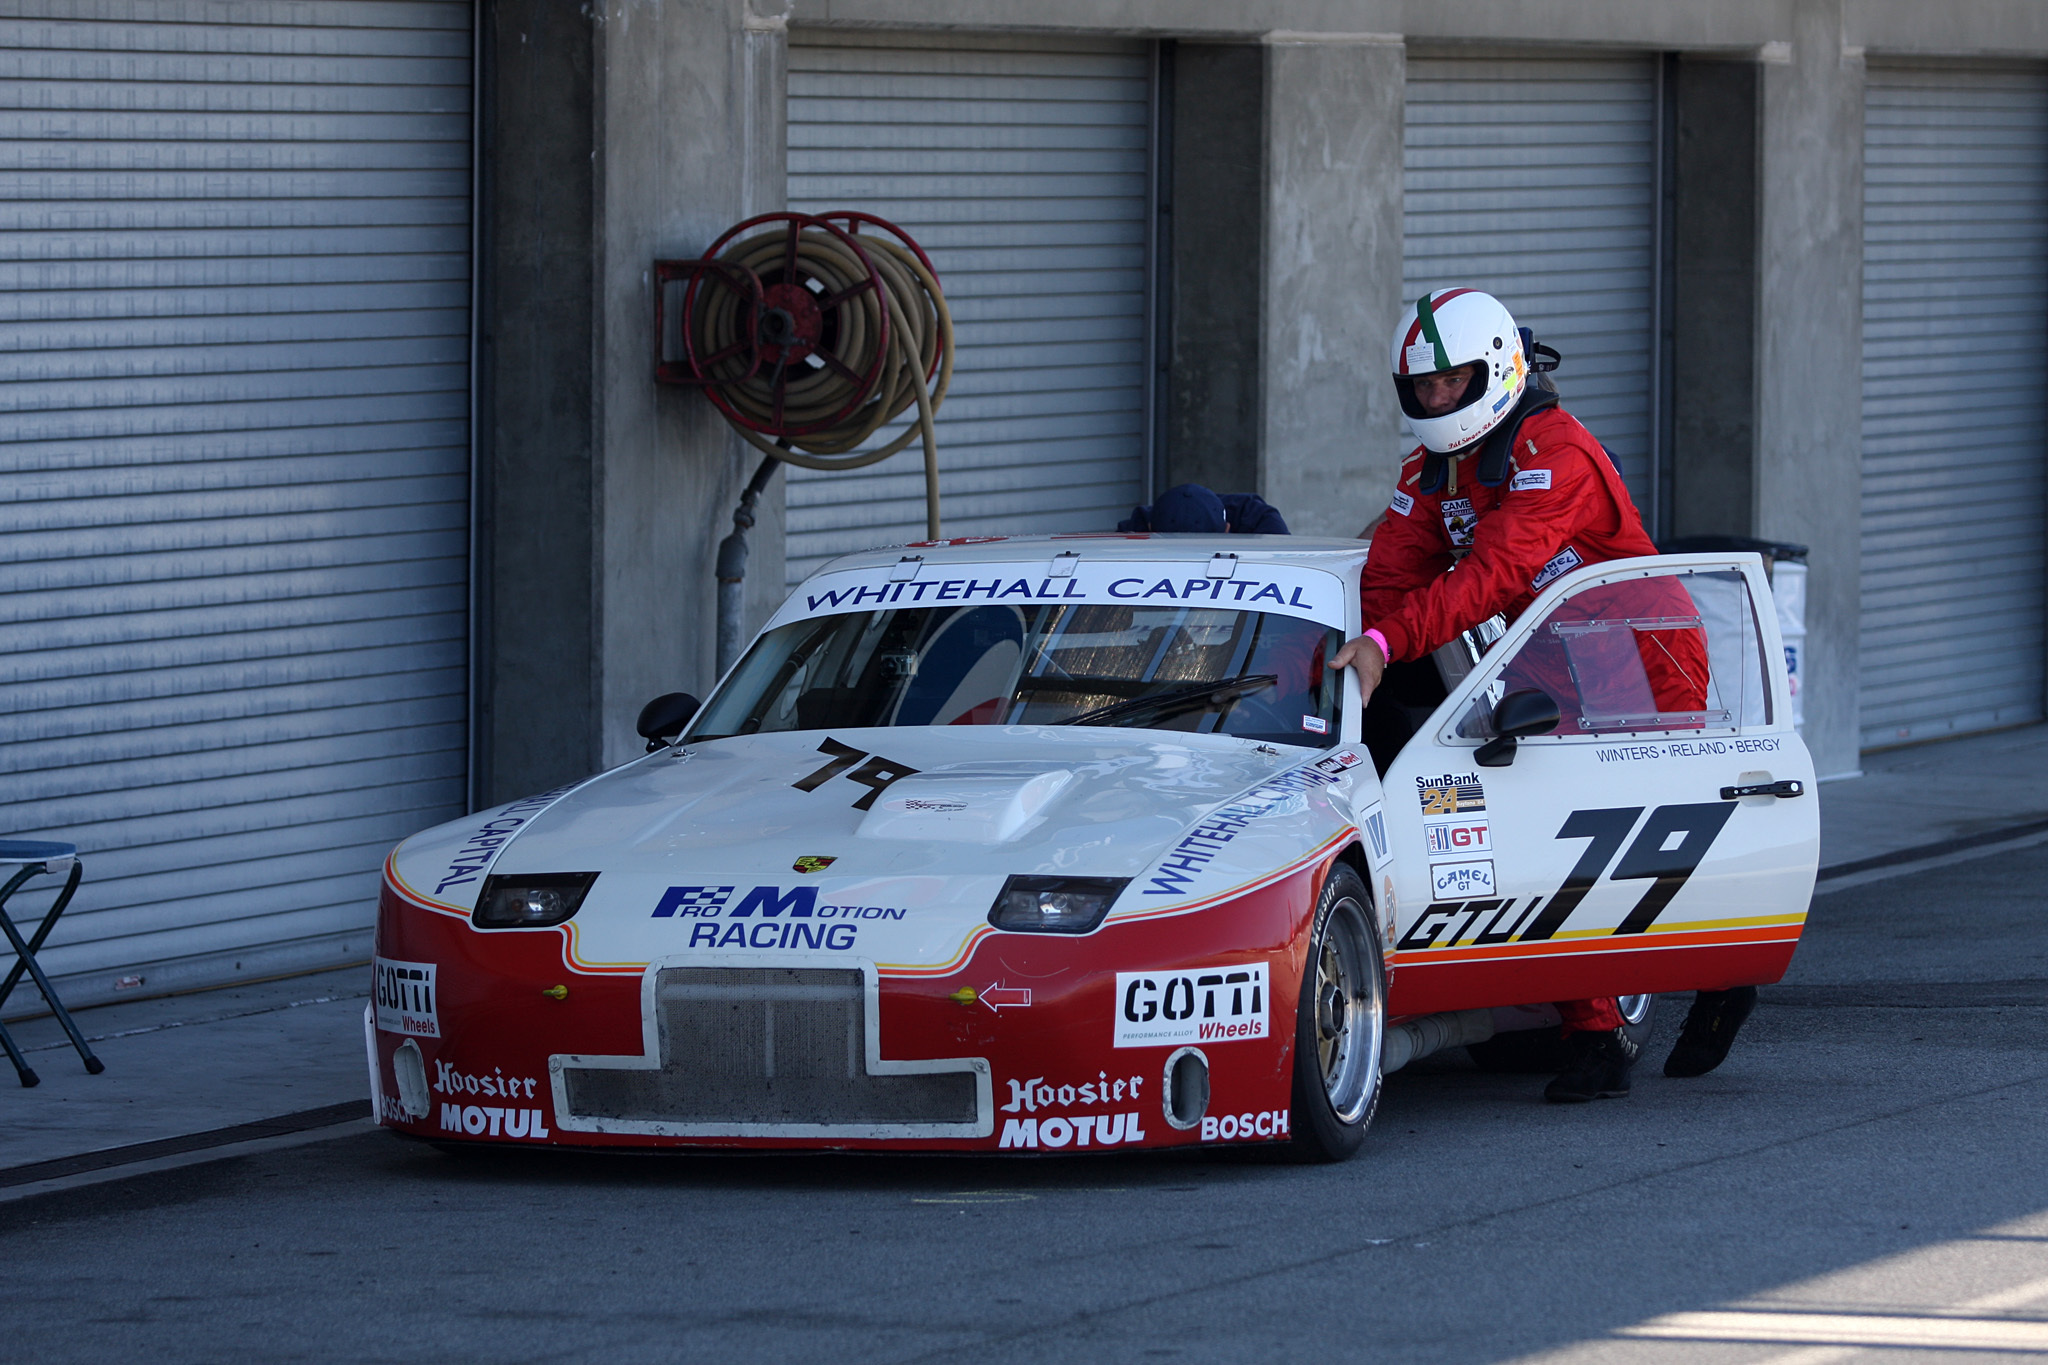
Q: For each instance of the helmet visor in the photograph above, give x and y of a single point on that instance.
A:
(1475, 389)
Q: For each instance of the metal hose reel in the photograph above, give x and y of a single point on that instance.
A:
(809, 337)
(813, 336)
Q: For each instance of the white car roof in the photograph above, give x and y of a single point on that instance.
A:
(1326, 552)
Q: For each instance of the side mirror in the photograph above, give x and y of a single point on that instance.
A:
(664, 718)
(1523, 712)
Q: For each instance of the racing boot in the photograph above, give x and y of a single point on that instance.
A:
(1598, 1069)
(1709, 1031)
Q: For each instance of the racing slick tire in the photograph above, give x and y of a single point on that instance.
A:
(1542, 1051)
(1340, 1024)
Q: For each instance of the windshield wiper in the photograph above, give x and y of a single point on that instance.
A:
(1178, 698)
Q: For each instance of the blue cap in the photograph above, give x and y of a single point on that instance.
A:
(1189, 507)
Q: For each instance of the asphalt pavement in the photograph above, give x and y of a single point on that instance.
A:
(1863, 1180)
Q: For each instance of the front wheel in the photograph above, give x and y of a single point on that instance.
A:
(1340, 1024)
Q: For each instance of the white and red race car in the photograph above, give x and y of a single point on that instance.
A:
(1075, 844)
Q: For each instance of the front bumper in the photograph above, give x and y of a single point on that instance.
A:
(494, 1037)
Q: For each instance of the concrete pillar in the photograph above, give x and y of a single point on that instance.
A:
(1809, 362)
(1714, 297)
(1213, 243)
(615, 134)
(1331, 429)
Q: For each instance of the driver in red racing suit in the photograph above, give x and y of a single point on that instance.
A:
(1506, 493)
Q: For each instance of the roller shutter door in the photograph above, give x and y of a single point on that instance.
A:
(1535, 180)
(234, 487)
(1022, 169)
(1955, 302)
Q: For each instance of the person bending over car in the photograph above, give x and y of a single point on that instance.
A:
(1507, 492)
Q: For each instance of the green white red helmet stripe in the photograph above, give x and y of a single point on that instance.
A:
(1424, 326)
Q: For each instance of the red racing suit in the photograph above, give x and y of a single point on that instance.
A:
(1560, 505)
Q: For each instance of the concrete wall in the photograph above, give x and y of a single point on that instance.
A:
(1714, 297)
(1331, 423)
(619, 132)
(615, 134)
(1209, 413)
(1809, 438)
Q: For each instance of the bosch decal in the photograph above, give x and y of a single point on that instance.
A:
(1269, 1123)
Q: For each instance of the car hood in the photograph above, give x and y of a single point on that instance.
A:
(909, 832)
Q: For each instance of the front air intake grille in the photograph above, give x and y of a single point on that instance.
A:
(761, 1047)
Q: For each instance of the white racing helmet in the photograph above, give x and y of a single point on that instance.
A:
(1447, 328)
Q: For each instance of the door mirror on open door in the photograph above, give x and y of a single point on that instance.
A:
(1522, 712)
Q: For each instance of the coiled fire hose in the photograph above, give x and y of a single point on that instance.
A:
(817, 336)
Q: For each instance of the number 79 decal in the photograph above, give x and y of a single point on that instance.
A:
(1670, 846)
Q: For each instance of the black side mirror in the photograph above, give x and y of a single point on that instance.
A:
(1523, 712)
(664, 718)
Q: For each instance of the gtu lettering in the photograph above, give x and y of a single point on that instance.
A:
(1688, 830)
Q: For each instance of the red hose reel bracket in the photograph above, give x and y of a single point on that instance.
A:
(788, 315)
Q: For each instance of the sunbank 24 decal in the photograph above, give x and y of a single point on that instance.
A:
(1665, 852)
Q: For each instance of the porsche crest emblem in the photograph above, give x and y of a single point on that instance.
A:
(813, 862)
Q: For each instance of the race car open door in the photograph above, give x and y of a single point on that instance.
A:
(1662, 836)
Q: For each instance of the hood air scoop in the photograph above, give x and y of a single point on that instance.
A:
(987, 805)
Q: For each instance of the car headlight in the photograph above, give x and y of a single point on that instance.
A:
(535, 901)
(1055, 905)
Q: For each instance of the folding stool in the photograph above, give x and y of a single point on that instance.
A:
(34, 858)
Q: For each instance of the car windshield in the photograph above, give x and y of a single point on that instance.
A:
(1205, 670)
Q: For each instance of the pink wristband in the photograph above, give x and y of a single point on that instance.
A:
(1386, 655)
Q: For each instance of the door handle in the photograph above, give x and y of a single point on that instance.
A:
(1791, 786)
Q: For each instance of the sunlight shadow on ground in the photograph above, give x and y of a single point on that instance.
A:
(1986, 1292)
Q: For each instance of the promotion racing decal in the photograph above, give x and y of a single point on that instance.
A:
(787, 919)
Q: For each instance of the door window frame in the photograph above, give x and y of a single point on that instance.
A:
(1442, 728)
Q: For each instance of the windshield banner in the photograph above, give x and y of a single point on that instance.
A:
(1312, 594)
